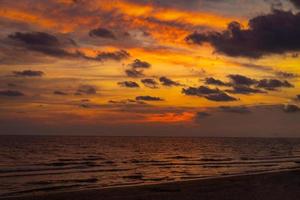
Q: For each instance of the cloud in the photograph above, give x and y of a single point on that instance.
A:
(57, 92)
(102, 32)
(151, 83)
(290, 108)
(140, 64)
(127, 101)
(213, 81)
(129, 84)
(220, 97)
(29, 73)
(274, 33)
(86, 89)
(134, 73)
(235, 109)
(298, 97)
(117, 55)
(241, 89)
(53, 46)
(237, 79)
(168, 82)
(148, 98)
(11, 93)
(272, 84)
(41, 42)
(200, 91)
(286, 75)
(208, 93)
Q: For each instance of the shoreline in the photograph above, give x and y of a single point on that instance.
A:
(262, 185)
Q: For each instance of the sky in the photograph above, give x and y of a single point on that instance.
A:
(150, 67)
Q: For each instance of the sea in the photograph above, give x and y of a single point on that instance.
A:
(31, 165)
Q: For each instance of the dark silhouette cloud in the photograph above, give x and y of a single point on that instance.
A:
(151, 83)
(86, 89)
(290, 108)
(148, 98)
(29, 73)
(235, 109)
(213, 81)
(286, 74)
(117, 55)
(273, 84)
(237, 79)
(129, 84)
(61, 93)
(42, 42)
(102, 32)
(168, 82)
(50, 45)
(208, 93)
(140, 64)
(242, 89)
(11, 93)
(220, 97)
(274, 33)
(36, 38)
(133, 73)
(200, 91)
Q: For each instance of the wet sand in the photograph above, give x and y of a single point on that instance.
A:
(268, 186)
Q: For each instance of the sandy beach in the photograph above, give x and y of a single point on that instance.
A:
(270, 186)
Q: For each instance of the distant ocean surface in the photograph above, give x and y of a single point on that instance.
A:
(43, 164)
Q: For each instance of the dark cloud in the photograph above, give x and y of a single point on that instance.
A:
(273, 84)
(117, 55)
(286, 74)
(102, 32)
(290, 108)
(41, 42)
(241, 89)
(57, 92)
(133, 73)
(213, 81)
(208, 93)
(220, 97)
(200, 91)
(148, 98)
(237, 79)
(168, 82)
(36, 39)
(86, 89)
(151, 83)
(140, 64)
(11, 93)
(29, 73)
(50, 45)
(129, 84)
(274, 33)
(298, 97)
(235, 109)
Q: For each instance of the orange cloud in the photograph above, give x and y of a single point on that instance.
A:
(170, 117)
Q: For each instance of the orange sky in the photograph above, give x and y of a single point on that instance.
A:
(129, 63)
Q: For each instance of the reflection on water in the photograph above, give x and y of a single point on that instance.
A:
(32, 164)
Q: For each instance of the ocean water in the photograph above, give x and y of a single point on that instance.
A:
(45, 164)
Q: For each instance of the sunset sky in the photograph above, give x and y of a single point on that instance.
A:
(150, 67)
